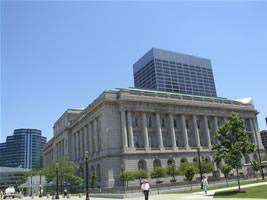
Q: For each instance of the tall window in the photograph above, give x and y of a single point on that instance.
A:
(163, 123)
(149, 122)
(142, 164)
(156, 163)
(135, 121)
(170, 162)
(175, 123)
(187, 123)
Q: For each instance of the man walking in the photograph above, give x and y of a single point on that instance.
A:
(205, 184)
(145, 187)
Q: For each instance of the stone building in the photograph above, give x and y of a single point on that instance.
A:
(134, 128)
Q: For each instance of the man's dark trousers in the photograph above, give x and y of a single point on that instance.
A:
(146, 192)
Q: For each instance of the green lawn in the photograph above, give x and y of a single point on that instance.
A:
(220, 186)
(253, 192)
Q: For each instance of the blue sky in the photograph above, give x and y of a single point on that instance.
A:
(59, 55)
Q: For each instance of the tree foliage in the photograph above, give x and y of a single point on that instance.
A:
(189, 170)
(66, 171)
(226, 170)
(233, 142)
(206, 167)
(157, 172)
(93, 179)
(172, 171)
(256, 166)
(127, 176)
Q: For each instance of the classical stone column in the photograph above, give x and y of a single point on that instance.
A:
(184, 132)
(86, 138)
(159, 132)
(172, 132)
(207, 131)
(145, 131)
(257, 132)
(81, 143)
(124, 131)
(196, 132)
(130, 129)
(91, 147)
(251, 128)
(95, 136)
(216, 123)
(77, 146)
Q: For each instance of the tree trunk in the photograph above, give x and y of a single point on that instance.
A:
(238, 181)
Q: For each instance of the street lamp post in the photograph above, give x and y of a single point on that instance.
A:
(57, 196)
(40, 187)
(86, 175)
(262, 174)
(31, 185)
(123, 178)
(200, 169)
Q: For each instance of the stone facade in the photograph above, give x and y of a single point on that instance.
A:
(132, 128)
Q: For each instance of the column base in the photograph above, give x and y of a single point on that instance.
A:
(162, 148)
(175, 148)
(147, 148)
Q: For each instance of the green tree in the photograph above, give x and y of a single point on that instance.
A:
(67, 172)
(172, 171)
(127, 176)
(140, 174)
(233, 143)
(157, 172)
(189, 170)
(206, 167)
(256, 166)
(226, 170)
(92, 180)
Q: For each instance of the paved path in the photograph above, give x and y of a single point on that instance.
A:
(185, 196)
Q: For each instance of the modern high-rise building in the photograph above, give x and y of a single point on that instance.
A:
(174, 72)
(23, 149)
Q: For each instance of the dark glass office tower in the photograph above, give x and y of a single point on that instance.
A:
(174, 72)
(23, 149)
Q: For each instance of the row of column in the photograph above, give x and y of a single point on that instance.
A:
(128, 135)
(86, 139)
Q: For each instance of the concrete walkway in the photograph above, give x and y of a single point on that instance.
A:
(184, 196)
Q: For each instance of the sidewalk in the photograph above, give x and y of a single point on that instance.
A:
(185, 196)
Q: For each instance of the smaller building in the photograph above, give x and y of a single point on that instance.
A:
(11, 176)
(264, 138)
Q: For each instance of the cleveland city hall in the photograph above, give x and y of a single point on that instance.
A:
(142, 129)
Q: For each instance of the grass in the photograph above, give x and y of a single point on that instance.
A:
(253, 192)
(220, 186)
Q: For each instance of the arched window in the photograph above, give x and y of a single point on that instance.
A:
(247, 159)
(255, 157)
(142, 164)
(195, 160)
(98, 172)
(171, 162)
(183, 160)
(207, 159)
(91, 171)
(156, 163)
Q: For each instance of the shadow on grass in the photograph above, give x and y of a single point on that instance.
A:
(229, 193)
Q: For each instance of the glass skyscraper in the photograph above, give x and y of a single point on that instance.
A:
(174, 72)
(23, 149)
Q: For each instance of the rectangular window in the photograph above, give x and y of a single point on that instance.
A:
(175, 123)
(162, 123)
(186, 123)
